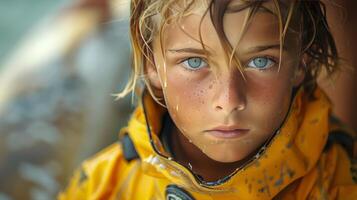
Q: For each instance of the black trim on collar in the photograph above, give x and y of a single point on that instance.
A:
(165, 134)
(129, 150)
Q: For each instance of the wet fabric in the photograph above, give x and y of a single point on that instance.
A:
(296, 163)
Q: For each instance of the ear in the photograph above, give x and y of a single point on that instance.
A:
(299, 74)
(152, 75)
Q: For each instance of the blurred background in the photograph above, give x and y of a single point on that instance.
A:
(61, 60)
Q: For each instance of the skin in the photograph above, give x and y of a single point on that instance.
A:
(217, 94)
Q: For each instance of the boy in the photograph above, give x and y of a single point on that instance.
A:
(231, 109)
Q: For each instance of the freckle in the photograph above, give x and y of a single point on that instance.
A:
(210, 86)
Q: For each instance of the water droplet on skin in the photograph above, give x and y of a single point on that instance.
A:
(204, 149)
(169, 158)
(190, 166)
(165, 75)
(217, 142)
(190, 141)
(257, 156)
(177, 108)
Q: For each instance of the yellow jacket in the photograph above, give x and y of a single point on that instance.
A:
(310, 157)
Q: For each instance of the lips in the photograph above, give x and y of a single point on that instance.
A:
(227, 132)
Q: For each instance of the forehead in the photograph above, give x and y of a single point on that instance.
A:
(177, 7)
(198, 25)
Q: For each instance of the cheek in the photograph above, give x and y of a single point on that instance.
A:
(186, 98)
(270, 99)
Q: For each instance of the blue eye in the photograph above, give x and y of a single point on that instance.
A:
(194, 63)
(261, 63)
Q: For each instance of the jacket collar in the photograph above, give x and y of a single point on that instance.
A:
(287, 157)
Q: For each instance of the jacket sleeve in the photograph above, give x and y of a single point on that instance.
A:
(98, 177)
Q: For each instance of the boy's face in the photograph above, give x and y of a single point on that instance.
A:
(224, 114)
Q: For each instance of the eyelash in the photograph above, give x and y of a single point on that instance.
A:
(190, 68)
(271, 59)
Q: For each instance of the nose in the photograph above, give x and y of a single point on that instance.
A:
(231, 93)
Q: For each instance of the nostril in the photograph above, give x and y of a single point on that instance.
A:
(219, 108)
(239, 107)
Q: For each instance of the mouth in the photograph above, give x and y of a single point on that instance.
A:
(227, 132)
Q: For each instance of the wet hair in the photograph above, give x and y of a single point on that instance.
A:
(308, 18)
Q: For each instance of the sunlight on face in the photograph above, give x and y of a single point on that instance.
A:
(227, 116)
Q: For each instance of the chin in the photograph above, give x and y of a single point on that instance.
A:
(227, 156)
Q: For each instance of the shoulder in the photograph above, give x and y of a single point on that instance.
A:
(105, 160)
(341, 147)
(340, 134)
(342, 144)
(99, 176)
(334, 175)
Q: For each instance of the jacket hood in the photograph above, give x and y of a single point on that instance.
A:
(287, 157)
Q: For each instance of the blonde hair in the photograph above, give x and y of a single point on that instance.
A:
(317, 42)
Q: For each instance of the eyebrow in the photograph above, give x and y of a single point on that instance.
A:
(264, 47)
(237, 7)
(190, 50)
(242, 6)
(254, 49)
